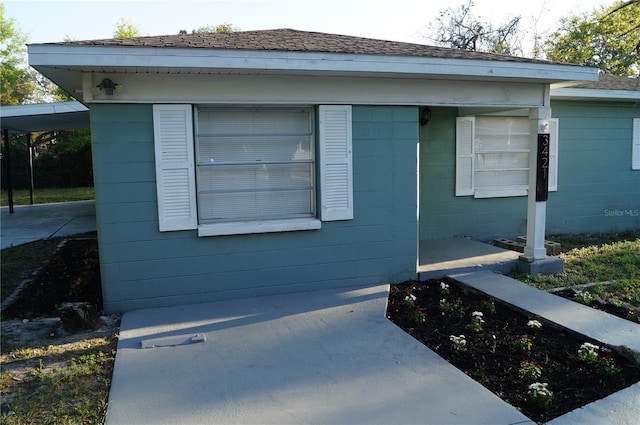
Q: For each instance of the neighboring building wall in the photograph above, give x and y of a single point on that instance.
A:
(597, 189)
(444, 215)
(142, 267)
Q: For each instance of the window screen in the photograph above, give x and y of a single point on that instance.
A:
(254, 164)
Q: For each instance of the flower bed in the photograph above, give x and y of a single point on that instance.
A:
(527, 362)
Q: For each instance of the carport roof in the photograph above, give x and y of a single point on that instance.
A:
(44, 117)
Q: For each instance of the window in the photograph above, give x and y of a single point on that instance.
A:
(255, 164)
(492, 156)
(251, 170)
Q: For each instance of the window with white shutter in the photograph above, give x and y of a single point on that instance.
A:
(253, 169)
(492, 156)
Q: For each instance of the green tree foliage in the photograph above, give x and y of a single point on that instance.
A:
(16, 83)
(125, 29)
(221, 28)
(608, 38)
(60, 159)
(460, 29)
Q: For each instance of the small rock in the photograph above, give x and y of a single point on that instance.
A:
(78, 316)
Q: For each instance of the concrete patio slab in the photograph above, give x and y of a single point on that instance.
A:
(440, 257)
(30, 223)
(322, 357)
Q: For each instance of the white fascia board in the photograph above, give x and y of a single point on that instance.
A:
(41, 109)
(93, 58)
(595, 94)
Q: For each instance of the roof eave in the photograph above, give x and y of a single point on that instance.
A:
(70, 58)
(596, 94)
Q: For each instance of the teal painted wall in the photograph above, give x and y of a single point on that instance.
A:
(444, 215)
(143, 268)
(597, 190)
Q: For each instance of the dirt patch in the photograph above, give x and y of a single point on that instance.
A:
(50, 374)
(72, 274)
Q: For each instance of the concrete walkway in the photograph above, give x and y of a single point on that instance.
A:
(603, 327)
(621, 408)
(325, 357)
(30, 223)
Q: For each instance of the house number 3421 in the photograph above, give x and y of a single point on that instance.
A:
(542, 169)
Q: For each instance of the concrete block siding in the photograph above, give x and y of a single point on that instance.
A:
(142, 267)
(597, 190)
(442, 214)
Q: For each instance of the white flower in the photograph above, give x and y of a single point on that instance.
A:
(444, 287)
(458, 339)
(589, 347)
(410, 297)
(534, 324)
(588, 352)
(476, 316)
(539, 388)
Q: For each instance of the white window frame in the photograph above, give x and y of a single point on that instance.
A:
(466, 157)
(635, 145)
(173, 131)
(254, 224)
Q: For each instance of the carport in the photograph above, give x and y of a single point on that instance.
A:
(29, 119)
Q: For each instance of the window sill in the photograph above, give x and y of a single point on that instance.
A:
(500, 193)
(261, 226)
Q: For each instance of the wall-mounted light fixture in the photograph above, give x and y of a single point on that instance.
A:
(425, 117)
(108, 86)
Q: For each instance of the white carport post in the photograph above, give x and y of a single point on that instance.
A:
(536, 210)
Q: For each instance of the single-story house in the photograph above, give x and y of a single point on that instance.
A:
(262, 162)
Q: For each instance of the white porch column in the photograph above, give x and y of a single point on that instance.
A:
(536, 210)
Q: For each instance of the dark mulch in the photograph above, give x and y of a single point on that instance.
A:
(72, 274)
(493, 360)
(622, 311)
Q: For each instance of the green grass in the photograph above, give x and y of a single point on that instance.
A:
(48, 196)
(595, 258)
(58, 384)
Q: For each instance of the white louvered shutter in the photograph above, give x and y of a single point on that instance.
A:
(635, 150)
(336, 171)
(554, 139)
(465, 130)
(175, 179)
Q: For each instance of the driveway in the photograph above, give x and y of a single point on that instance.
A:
(30, 223)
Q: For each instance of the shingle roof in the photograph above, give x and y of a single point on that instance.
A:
(611, 82)
(298, 41)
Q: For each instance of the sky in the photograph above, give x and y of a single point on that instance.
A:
(398, 20)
